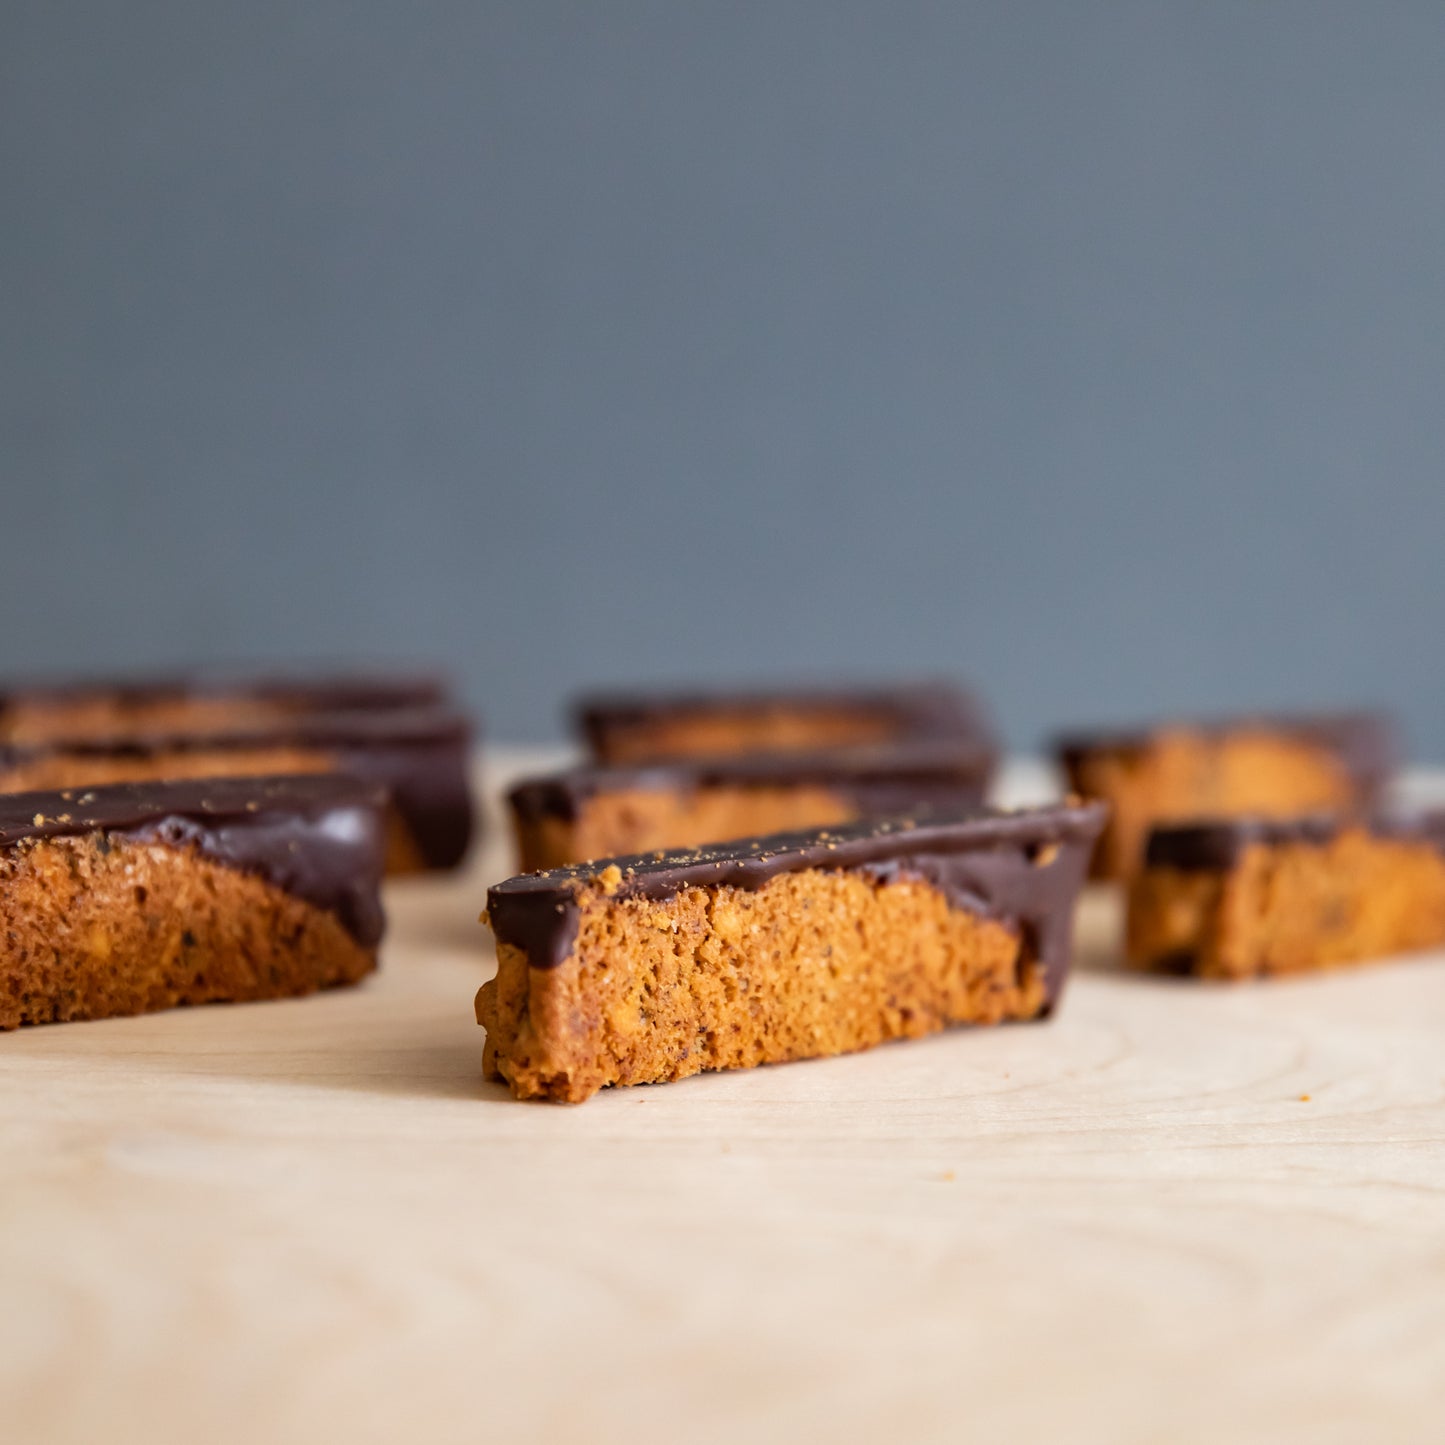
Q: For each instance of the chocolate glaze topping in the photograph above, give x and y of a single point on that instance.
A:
(421, 755)
(1024, 868)
(948, 775)
(917, 710)
(319, 837)
(1218, 845)
(1366, 743)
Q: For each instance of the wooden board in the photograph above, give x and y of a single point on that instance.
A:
(1176, 1213)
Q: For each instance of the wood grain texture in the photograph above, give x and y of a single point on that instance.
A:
(1177, 1213)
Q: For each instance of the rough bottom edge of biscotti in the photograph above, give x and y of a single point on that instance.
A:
(99, 927)
(813, 964)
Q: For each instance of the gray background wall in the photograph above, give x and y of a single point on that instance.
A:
(1095, 351)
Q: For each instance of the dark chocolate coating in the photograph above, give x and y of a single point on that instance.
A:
(1366, 743)
(421, 755)
(981, 860)
(947, 776)
(917, 711)
(1218, 845)
(319, 837)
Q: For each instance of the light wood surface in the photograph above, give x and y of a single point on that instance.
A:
(1176, 1213)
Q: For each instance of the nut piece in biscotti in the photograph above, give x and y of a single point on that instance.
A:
(1253, 897)
(649, 726)
(651, 968)
(137, 897)
(1277, 767)
(603, 811)
(421, 755)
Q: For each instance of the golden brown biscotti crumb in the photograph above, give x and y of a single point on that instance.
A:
(811, 964)
(93, 927)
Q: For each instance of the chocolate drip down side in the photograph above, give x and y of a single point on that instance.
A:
(429, 784)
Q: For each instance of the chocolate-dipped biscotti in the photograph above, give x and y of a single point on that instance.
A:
(1267, 766)
(128, 899)
(647, 726)
(1251, 897)
(420, 755)
(197, 702)
(601, 811)
(651, 968)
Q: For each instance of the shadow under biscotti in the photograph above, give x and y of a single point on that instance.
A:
(375, 1039)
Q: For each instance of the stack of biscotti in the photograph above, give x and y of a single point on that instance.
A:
(1258, 846)
(401, 732)
(1265, 766)
(676, 770)
(135, 897)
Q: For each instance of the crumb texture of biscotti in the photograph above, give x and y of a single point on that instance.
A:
(640, 820)
(1179, 775)
(95, 927)
(1290, 907)
(814, 963)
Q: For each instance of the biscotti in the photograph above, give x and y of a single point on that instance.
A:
(1266, 766)
(648, 726)
(208, 701)
(421, 755)
(127, 899)
(651, 968)
(1253, 897)
(600, 811)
